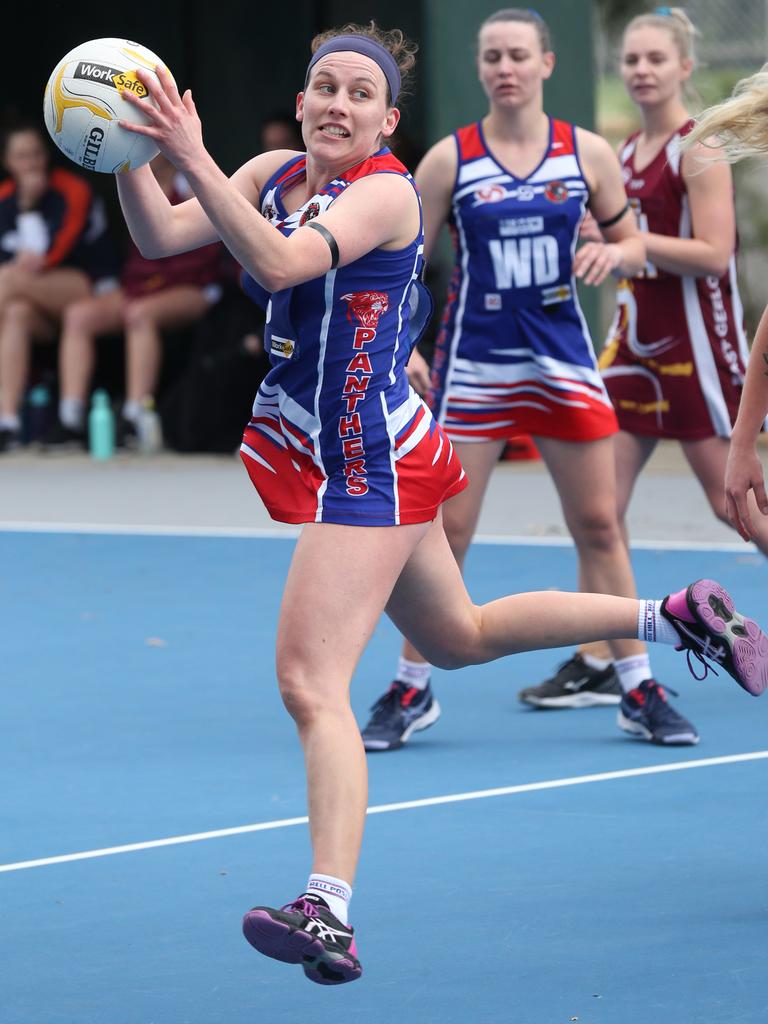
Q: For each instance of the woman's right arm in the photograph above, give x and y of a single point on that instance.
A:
(744, 471)
(160, 229)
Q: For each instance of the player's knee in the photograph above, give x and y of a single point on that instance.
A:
(454, 648)
(459, 538)
(598, 530)
(137, 314)
(77, 318)
(17, 313)
(303, 701)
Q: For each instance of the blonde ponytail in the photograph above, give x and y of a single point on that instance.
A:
(737, 127)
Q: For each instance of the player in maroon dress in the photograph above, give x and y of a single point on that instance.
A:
(675, 358)
(739, 129)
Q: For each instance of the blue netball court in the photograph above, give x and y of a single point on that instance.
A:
(519, 866)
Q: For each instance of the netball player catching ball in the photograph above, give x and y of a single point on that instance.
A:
(339, 442)
(514, 354)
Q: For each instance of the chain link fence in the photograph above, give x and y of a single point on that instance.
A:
(733, 42)
(732, 35)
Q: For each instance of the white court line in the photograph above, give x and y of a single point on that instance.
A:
(407, 805)
(290, 533)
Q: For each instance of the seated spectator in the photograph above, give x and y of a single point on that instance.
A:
(154, 296)
(54, 250)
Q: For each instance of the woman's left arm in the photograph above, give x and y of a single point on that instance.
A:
(623, 251)
(713, 221)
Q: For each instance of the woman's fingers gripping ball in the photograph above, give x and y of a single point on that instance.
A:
(173, 121)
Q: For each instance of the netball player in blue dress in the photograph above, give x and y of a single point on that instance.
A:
(514, 355)
(339, 443)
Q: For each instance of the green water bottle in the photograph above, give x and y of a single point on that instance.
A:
(101, 427)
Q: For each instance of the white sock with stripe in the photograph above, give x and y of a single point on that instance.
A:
(414, 673)
(335, 891)
(653, 627)
(632, 671)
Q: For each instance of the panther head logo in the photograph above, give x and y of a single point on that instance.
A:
(366, 306)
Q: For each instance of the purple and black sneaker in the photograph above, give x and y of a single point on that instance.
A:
(710, 628)
(306, 932)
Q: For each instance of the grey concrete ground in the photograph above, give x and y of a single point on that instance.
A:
(214, 492)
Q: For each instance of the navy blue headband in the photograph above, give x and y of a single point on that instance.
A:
(368, 48)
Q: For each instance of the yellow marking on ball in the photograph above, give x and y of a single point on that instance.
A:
(62, 103)
(141, 59)
(128, 81)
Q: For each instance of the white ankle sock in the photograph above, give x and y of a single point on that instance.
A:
(414, 673)
(600, 664)
(653, 627)
(335, 891)
(10, 422)
(633, 670)
(72, 413)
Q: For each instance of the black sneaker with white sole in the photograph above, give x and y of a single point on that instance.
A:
(398, 714)
(575, 685)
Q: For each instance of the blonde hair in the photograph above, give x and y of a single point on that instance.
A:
(675, 21)
(737, 127)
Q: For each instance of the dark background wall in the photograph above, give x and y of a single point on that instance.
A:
(244, 61)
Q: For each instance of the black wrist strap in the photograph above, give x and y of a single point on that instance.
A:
(332, 243)
(611, 220)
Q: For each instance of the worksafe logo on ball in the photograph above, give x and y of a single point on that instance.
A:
(120, 80)
(366, 306)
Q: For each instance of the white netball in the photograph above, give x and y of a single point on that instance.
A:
(84, 101)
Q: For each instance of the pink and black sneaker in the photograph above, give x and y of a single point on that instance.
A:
(306, 932)
(713, 631)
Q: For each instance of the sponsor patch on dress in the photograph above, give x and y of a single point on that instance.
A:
(493, 301)
(282, 347)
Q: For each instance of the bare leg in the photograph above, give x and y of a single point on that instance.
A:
(327, 617)
(631, 453)
(430, 604)
(584, 473)
(707, 459)
(20, 324)
(82, 323)
(461, 513)
(30, 305)
(145, 319)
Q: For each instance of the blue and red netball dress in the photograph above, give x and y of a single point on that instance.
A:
(676, 352)
(337, 434)
(514, 354)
